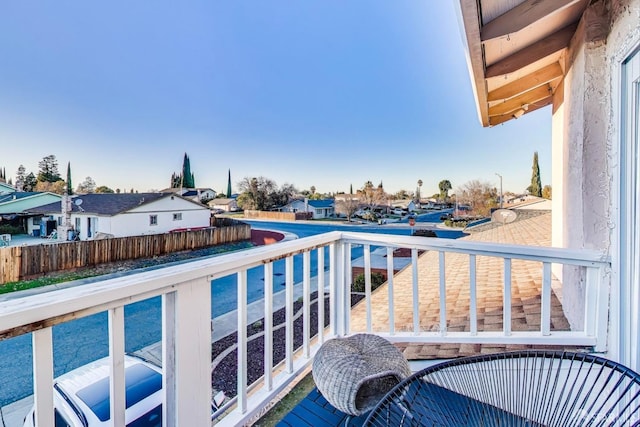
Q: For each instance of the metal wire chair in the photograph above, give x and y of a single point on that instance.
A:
(525, 388)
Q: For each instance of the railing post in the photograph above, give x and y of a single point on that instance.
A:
(334, 273)
(306, 303)
(42, 341)
(545, 300)
(348, 280)
(473, 296)
(321, 295)
(337, 306)
(169, 359)
(268, 325)
(392, 320)
(289, 314)
(367, 283)
(242, 341)
(117, 378)
(506, 298)
(416, 293)
(443, 294)
(193, 353)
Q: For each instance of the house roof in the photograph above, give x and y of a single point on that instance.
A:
(221, 201)
(517, 50)
(9, 197)
(322, 203)
(104, 204)
(6, 188)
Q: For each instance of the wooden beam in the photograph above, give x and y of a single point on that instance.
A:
(528, 82)
(530, 54)
(468, 10)
(522, 101)
(522, 16)
(493, 121)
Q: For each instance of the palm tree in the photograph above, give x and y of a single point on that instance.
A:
(418, 192)
(444, 186)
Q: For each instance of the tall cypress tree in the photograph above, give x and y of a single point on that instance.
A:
(187, 176)
(69, 186)
(535, 188)
(229, 185)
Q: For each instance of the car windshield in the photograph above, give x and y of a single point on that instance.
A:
(140, 382)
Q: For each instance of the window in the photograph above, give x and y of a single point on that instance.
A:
(59, 220)
(153, 219)
(37, 220)
(318, 211)
(177, 216)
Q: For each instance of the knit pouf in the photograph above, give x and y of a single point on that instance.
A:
(355, 372)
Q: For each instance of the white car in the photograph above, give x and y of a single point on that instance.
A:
(81, 396)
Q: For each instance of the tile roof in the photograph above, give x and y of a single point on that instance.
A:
(526, 293)
(104, 204)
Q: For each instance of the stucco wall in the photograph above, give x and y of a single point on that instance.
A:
(582, 137)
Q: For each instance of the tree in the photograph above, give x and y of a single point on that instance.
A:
(254, 193)
(371, 196)
(347, 205)
(229, 185)
(30, 182)
(402, 195)
(48, 169)
(21, 175)
(103, 189)
(188, 180)
(546, 192)
(418, 191)
(481, 196)
(58, 187)
(535, 188)
(444, 186)
(87, 186)
(69, 186)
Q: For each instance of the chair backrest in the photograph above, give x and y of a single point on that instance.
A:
(551, 388)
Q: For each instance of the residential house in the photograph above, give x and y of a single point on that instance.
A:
(196, 194)
(227, 205)
(120, 215)
(319, 209)
(404, 204)
(14, 208)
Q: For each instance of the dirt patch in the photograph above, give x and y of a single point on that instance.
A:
(265, 237)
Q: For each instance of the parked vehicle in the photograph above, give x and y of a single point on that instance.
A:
(81, 396)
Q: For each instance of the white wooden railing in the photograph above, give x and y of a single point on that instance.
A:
(186, 306)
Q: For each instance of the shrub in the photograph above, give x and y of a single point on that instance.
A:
(10, 229)
(377, 279)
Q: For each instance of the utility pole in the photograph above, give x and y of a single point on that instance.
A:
(500, 189)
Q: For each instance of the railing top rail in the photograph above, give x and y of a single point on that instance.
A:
(583, 257)
(80, 300)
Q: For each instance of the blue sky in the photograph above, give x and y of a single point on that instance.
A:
(324, 93)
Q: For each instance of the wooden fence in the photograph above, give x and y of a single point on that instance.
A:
(278, 216)
(24, 262)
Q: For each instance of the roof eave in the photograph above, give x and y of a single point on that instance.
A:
(468, 18)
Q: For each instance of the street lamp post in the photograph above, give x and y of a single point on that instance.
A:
(500, 189)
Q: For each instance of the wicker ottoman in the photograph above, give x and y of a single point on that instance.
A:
(355, 372)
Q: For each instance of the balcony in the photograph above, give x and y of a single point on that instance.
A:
(454, 292)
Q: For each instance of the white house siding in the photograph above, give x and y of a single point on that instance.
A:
(585, 155)
(136, 221)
